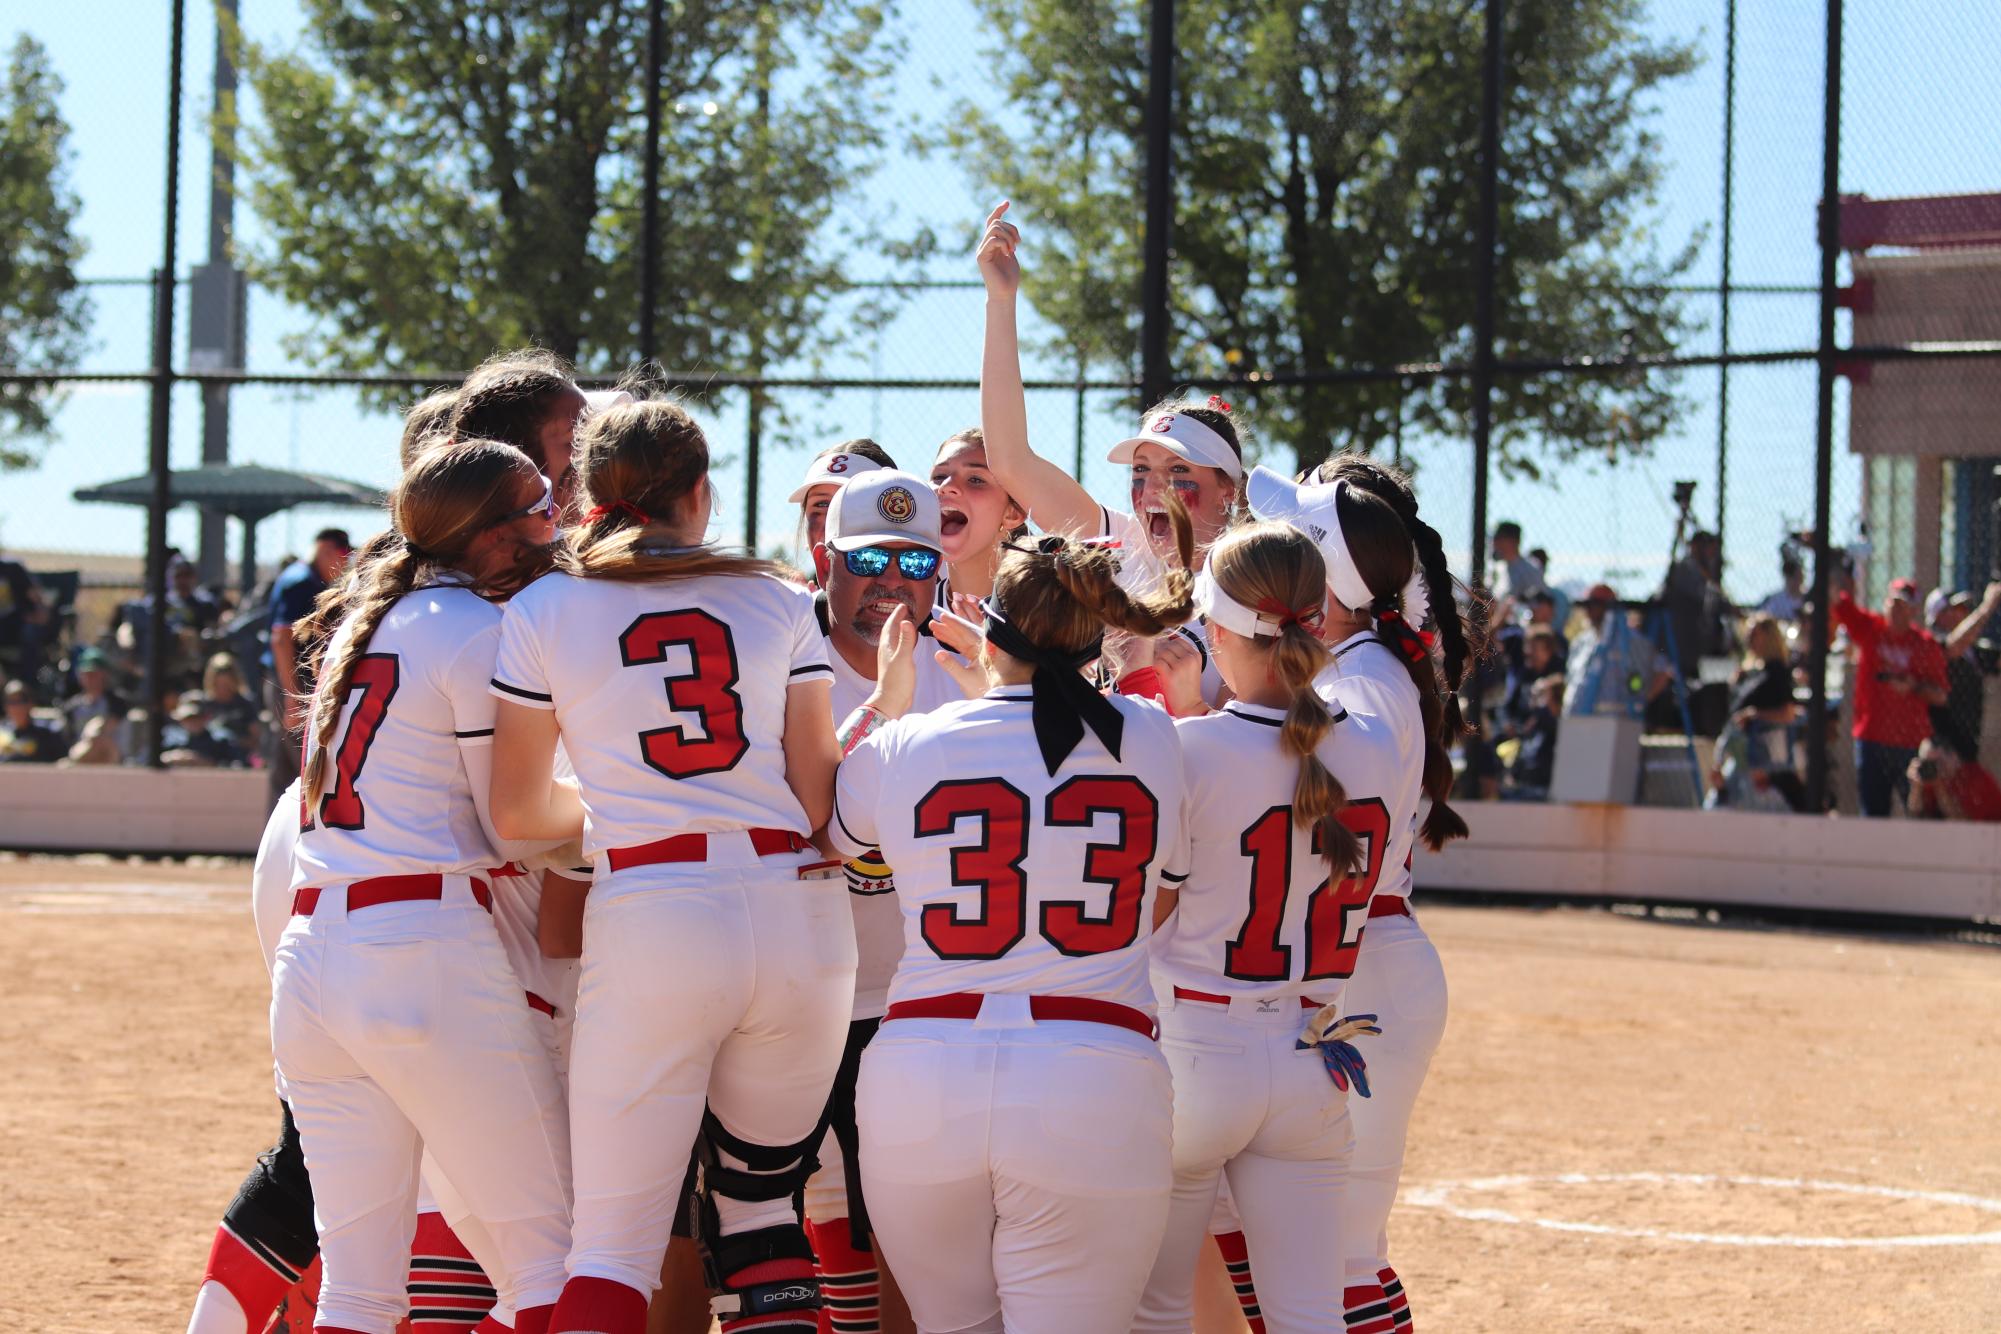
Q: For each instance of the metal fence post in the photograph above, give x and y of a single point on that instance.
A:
(1823, 452)
(159, 458)
(649, 204)
(1723, 289)
(1483, 311)
(1153, 373)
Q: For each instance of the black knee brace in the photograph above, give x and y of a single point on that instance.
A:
(273, 1209)
(772, 1172)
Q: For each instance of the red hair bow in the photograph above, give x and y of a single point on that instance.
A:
(1407, 641)
(625, 507)
(1216, 402)
(1287, 617)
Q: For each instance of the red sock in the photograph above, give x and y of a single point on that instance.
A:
(449, 1292)
(1237, 1259)
(1366, 1310)
(1399, 1303)
(594, 1305)
(256, 1278)
(850, 1283)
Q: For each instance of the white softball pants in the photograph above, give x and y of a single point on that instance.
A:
(728, 985)
(1399, 979)
(402, 1026)
(1017, 1172)
(1251, 1107)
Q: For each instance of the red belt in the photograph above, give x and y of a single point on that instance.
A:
(695, 848)
(389, 889)
(1385, 906)
(511, 868)
(1189, 993)
(535, 1002)
(966, 1005)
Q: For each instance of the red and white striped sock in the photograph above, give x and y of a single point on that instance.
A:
(1399, 1303)
(850, 1283)
(598, 1306)
(1237, 1259)
(449, 1292)
(1366, 1310)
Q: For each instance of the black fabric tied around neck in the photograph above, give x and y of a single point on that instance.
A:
(1063, 702)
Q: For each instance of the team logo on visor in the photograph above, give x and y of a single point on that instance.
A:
(897, 504)
(1161, 425)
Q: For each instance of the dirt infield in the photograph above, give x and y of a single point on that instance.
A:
(1609, 1091)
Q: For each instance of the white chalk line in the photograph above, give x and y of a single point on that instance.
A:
(1439, 1196)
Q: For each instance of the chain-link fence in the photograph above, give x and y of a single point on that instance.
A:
(1616, 349)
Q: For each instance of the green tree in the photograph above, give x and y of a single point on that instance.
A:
(434, 181)
(1326, 197)
(43, 308)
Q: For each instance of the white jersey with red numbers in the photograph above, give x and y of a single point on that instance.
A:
(396, 800)
(1259, 914)
(1368, 679)
(1010, 880)
(670, 696)
(878, 920)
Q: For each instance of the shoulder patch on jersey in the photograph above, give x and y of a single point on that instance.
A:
(896, 504)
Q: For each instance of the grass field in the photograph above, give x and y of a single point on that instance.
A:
(1813, 1103)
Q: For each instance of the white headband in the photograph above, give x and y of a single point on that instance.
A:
(1219, 608)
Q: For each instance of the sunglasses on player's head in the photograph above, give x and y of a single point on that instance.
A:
(914, 563)
(541, 509)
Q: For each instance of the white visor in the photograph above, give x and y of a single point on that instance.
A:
(832, 470)
(1315, 511)
(1184, 435)
(599, 400)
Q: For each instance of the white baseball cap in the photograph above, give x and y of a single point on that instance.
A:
(883, 505)
(835, 468)
(601, 400)
(1191, 438)
(1315, 511)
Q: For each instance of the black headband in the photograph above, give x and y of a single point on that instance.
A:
(1064, 702)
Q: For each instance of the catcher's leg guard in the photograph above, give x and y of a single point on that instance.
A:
(756, 1254)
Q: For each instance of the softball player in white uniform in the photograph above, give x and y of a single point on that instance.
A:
(395, 1018)
(1015, 1111)
(1265, 932)
(1384, 566)
(1189, 449)
(689, 688)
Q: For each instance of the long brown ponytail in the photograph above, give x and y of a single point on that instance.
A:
(1275, 566)
(1385, 557)
(636, 464)
(1063, 593)
(449, 495)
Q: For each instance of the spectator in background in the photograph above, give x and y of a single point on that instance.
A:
(1534, 767)
(1899, 676)
(1521, 577)
(287, 685)
(23, 740)
(94, 697)
(1696, 610)
(234, 712)
(1547, 611)
(190, 739)
(1614, 669)
(191, 614)
(1756, 748)
(1790, 600)
(1957, 622)
(96, 744)
(23, 617)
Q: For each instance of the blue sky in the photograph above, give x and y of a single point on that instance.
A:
(1920, 89)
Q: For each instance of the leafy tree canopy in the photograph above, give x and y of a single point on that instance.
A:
(436, 180)
(1326, 200)
(44, 310)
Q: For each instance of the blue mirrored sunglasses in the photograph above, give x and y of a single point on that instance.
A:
(914, 563)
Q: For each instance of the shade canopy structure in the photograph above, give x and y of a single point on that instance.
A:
(246, 491)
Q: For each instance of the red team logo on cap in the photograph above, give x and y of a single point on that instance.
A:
(1162, 425)
(838, 463)
(897, 504)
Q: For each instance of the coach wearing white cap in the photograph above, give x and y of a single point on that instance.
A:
(882, 551)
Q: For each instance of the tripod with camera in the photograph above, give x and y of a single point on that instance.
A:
(1659, 624)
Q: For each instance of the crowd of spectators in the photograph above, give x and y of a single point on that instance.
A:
(1686, 661)
(228, 676)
